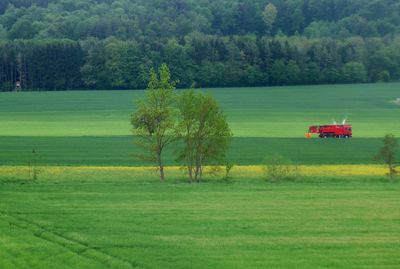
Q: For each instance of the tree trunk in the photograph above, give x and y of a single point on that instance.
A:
(392, 171)
(190, 172)
(199, 164)
(161, 167)
(198, 170)
(196, 174)
(201, 172)
(162, 176)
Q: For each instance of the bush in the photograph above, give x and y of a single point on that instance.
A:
(228, 169)
(278, 168)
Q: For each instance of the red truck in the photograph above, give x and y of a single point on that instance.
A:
(333, 130)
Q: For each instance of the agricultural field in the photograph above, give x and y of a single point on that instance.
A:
(92, 223)
(93, 128)
(95, 206)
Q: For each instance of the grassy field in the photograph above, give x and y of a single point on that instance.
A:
(92, 128)
(93, 223)
(96, 206)
(119, 151)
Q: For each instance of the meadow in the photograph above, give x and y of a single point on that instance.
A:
(94, 205)
(92, 223)
(93, 128)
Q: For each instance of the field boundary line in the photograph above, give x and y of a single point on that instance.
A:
(78, 248)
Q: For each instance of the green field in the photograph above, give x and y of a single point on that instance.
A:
(108, 215)
(134, 224)
(92, 128)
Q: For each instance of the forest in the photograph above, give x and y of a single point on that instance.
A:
(112, 44)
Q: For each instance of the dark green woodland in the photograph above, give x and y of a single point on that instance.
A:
(107, 44)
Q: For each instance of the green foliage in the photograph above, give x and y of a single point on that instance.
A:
(3, 33)
(383, 76)
(94, 69)
(154, 119)
(51, 64)
(228, 171)
(278, 168)
(143, 18)
(204, 131)
(278, 73)
(219, 43)
(321, 29)
(387, 154)
(269, 16)
(354, 72)
(210, 61)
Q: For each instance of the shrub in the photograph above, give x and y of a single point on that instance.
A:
(228, 169)
(278, 168)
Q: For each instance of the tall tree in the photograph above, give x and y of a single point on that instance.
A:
(204, 131)
(154, 119)
(94, 70)
(269, 17)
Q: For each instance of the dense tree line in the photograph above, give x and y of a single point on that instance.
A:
(126, 19)
(207, 60)
(41, 64)
(101, 44)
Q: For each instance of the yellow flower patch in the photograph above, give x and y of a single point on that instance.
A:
(50, 172)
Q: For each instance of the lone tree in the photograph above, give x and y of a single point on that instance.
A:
(154, 119)
(204, 131)
(387, 154)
